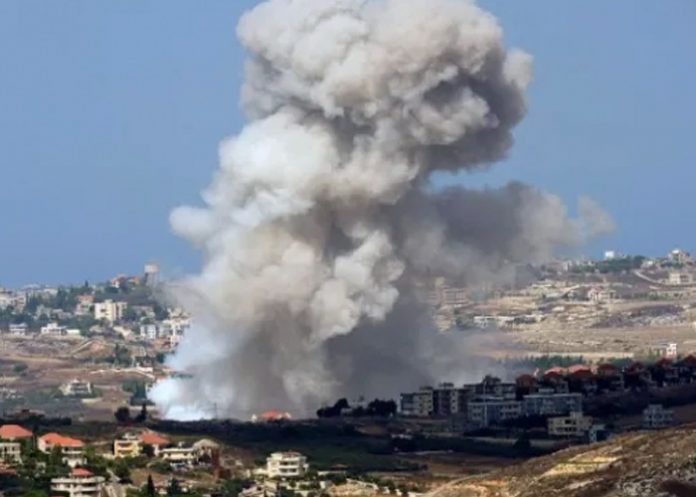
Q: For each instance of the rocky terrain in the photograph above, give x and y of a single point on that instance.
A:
(641, 464)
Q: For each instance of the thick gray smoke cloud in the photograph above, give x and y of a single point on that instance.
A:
(319, 224)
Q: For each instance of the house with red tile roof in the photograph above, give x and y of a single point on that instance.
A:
(14, 432)
(71, 449)
(156, 441)
(80, 482)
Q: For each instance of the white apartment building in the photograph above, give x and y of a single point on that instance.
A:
(6, 299)
(551, 404)
(149, 331)
(179, 454)
(80, 483)
(76, 388)
(109, 311)
(286, 465)
(573, 425)
(679, 278)
(175, 325)
(19, 330)
(10, 452)
(483, 413)
(53, 329)
(419, 404)
(656, 417)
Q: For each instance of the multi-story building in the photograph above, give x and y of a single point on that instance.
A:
(175, 325)
(128, 445)
(179, 454)
(656, 417)
(444, 400)
(286, 465)
(72, 450)
(109, 311)
(492, 387)
(10, 452)
(450, 401)
(419, 404)
(487, 412)
(80, 483)
(555, 404)
(573, 425)
(149, 331)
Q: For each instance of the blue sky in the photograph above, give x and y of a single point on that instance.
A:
(111, 113)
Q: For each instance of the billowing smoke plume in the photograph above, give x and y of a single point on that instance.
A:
(320, 224)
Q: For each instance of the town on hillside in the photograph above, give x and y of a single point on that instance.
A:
(580, 353)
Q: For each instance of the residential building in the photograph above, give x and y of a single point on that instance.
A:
(670, 350)
(6, 299)
(491, 386)
(10, 452)
(128, 445)
(679, 256)
(76, 388)
(157, 442)
(19, 330)
(574, 425)
(14, 432)
(181, 454)
(109, 311)
(53, 329)
(84, 305)
(609, 377)
(418, 404)
(286, 465)
(679, 278)
(149, 331)
(206, 448)
(80, 483)
(71, 449)
(175, 325)
(483, 413)
(656, 417)
(449, 401)
(551, 404)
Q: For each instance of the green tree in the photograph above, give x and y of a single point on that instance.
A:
(148, 451)
(142, 416)
(122, 415)
(150, 490)
(174, 489)
(122, 471)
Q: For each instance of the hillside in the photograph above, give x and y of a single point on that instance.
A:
(633, 465)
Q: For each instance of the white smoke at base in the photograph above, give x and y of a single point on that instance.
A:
(319, 224)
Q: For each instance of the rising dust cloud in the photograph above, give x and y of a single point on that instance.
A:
(320, 225)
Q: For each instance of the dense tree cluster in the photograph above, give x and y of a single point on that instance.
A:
(377, 408)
